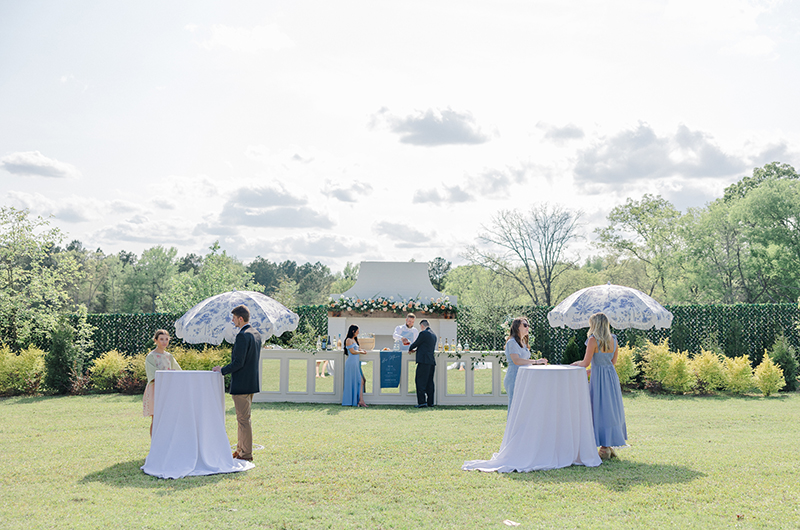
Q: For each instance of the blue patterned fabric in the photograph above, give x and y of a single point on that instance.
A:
(625, 308)
(209, 322)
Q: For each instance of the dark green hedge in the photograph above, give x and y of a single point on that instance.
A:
(738, 329)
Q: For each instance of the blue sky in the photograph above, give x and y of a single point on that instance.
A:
(345, 131)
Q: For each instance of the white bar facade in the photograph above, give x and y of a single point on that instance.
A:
(276, 389)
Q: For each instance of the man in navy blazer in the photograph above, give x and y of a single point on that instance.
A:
(425, 346)
(243, 368)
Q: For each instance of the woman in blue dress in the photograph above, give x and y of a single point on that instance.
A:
(354, 379)
(605, 393)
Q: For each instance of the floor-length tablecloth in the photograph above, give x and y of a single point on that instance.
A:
(189, 435)
(549, 425)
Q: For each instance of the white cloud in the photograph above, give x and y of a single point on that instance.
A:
(263, 207)
(309, 247)
(149, 232)
(120, 206)
(266, 37)
(640, 153)
(563, 134)
(352, 192)
(433, 127)
(71, 209)
(401, 232)
(35, 164)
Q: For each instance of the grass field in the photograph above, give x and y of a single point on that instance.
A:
(694, 462)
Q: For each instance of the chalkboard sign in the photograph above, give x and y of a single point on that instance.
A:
(390, 369)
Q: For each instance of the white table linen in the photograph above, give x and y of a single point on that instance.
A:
(189, 435)
(549, 425)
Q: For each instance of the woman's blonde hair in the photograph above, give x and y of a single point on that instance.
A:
(601, 330)
(516, 334)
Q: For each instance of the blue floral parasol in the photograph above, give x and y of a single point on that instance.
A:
(625, 307)
(210, 322)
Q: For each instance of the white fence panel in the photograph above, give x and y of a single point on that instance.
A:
(283, 372)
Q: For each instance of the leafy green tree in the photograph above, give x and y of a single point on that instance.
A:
(437, 271)
(718, 265)
(346, 279)
(33, 286)
(190, 262)
(313, 283)
(287, 293)
(649, 230)
(62, 362)
(217, 273)
(147, 278)
(769, 216)
(111, 295)
(773, 171)
(264, 273)
(86, 288)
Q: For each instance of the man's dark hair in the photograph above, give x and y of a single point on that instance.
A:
(424, 323)
(241, 311)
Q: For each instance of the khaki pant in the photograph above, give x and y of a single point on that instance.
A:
(244, 442)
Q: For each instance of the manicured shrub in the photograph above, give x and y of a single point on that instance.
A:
(21, 374)
(204, 359)
(679, 377)
(739, 375)
(134, 380)
(626, 366)
(769, 376)
(107, 369)
(573, 351)
(785, 356)
(62, 363)
(709, 371)
(656, 362)
(136, 366)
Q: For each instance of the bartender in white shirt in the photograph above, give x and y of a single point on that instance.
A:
(406, 333)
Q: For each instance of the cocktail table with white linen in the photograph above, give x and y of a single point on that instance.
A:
(189, 435)
(549, 425)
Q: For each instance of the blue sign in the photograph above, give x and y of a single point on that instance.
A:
(390, 368)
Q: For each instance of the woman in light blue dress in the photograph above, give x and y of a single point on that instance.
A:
(354, 380)
(517, 354)
(605, 393)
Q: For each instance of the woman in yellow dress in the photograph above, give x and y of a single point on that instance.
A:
(157, 359)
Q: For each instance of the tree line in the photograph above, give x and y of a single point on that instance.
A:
(743, 247)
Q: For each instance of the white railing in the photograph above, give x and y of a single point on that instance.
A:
(291, 375)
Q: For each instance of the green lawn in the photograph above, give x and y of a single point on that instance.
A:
(694, 462)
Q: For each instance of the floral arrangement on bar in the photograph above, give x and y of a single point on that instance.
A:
(371, 305)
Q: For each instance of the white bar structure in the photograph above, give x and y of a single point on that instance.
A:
(402, 281)
(378, 396)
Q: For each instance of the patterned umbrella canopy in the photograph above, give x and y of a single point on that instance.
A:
(209, 322)
(625, 308)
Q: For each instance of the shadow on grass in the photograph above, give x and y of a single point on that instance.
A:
(616, 475)
(129, 475)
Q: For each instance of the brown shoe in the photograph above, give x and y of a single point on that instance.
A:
(236, 456)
